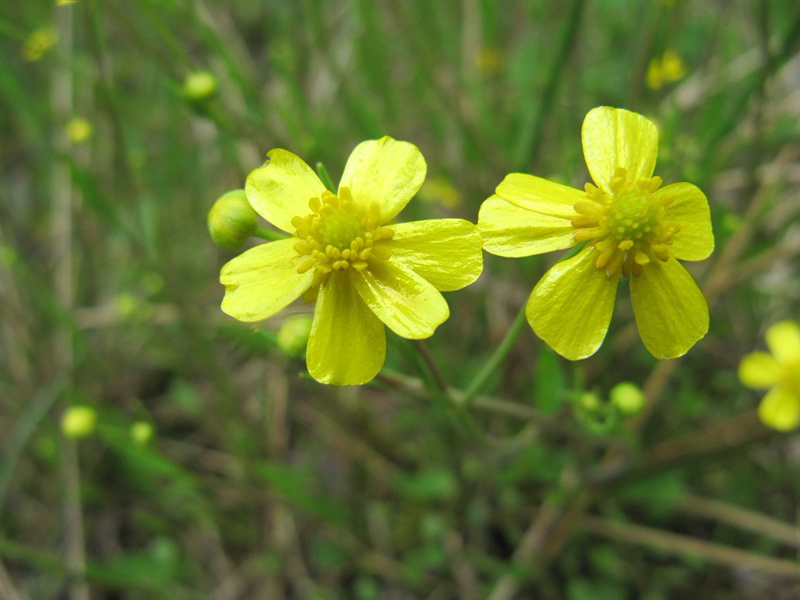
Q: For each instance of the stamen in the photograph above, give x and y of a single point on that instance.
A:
(338, 234)
(627, 227)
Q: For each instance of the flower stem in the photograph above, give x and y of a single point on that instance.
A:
(268, 234)
(438, 376)
(499, 355)
(325, 177)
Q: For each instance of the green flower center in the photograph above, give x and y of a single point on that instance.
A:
(339, 228)
(628, 228)
(632, 217)
(338, 235)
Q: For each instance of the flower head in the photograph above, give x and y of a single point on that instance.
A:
(364, 271)
(632, 227)
(665, 69)
(780, 373)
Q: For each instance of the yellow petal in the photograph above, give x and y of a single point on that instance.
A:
(385, 172)
(671, 311)
(783, 340)
(689, 209)
(263, 280)
(281, 188)
(446, 252)
(759, 370)
(347, 344)
(509, 230)
(615, 138)
(404, 301)
(540, 195)
(570, 308)
(780, 409)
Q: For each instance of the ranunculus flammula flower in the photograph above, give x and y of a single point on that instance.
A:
(780, 372)
(632, 227)
(364, 270)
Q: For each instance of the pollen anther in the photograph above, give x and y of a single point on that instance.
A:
(339, 234)
(627, 227)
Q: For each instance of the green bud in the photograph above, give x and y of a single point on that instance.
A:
(199, 87)
(141, 432)
(293, 335)
(231, 220)
(627, 397)
(78, 421)
(589, 401)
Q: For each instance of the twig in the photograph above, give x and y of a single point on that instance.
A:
(62, 194)
(7, 589)
(681, 544)
(741, 518)
(497, 357)
(430, 361)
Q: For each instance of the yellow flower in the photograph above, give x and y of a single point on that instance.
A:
(780, 372)
(39, 42)
(365, 271)
(79, 130)
(664, 70)
(632, 228)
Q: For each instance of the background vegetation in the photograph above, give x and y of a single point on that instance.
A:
(258, 482)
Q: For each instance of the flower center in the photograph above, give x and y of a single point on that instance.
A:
(339, 235)
(628, 227)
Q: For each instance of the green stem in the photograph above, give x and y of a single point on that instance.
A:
(499, 355)
(325, 177)
(268, 234)
(534, 121)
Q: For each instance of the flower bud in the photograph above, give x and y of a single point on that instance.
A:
(627, 397)
(231, 220)
(141, 432)
(293, 335)
(79, 130)
(589, 401)
(199, 87)
(78, 421)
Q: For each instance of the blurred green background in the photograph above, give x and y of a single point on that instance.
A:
(217, 469)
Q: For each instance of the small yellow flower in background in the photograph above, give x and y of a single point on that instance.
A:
(65, 2)
(631, 228)
(780, 373)
(666, 69)
(488, 61)
(39, 42)
(79, 130)
(78, 421)
(364, 271)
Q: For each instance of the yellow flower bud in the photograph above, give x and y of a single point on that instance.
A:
(78, 130)
(39, 42)
(78, 421)
(141, 432)
(231, 220)
(627, 397)
(293, 335)
(200, 87)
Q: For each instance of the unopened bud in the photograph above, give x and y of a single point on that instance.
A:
(293, 335)
(231, 220)
(78, 421)
(627, 397)
(589, 401)
(199, 87)
(141, 432)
